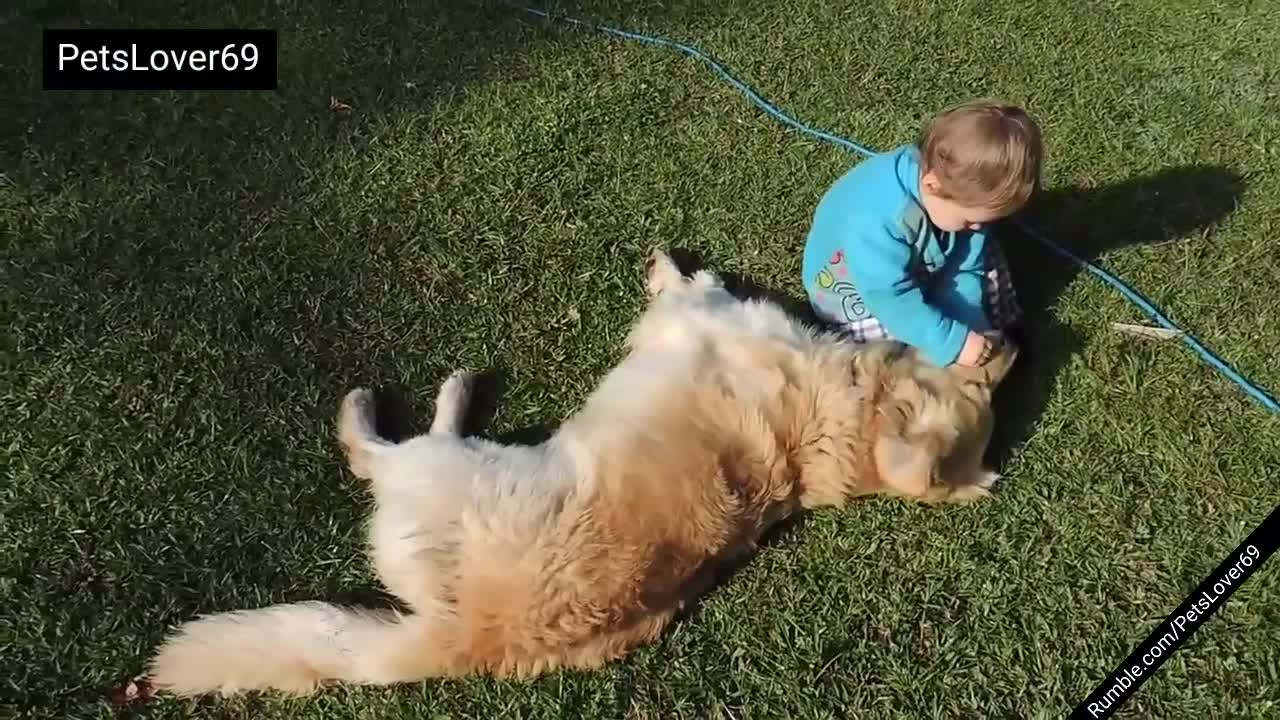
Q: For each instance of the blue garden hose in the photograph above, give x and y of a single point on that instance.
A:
(1132, 295)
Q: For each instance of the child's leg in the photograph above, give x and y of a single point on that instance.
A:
(835, 311)
(998, 295)
(839, 305)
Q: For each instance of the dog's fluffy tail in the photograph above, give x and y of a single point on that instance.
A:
(358, 435)
(298, 647)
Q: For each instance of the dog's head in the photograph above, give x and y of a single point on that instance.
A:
(935, 423)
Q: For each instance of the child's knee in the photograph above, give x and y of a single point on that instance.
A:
(824, 314)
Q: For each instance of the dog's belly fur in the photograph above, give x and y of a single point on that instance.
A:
(671, 466)
(724, 417)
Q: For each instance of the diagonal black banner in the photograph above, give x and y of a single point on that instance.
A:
(1169, 635)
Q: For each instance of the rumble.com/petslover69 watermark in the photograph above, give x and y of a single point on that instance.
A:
(1168, 636)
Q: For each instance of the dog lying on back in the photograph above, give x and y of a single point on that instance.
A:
(725, 417)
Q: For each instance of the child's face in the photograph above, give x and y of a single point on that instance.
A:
(949, 215)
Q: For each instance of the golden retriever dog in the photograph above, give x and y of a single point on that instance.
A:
(725, 416)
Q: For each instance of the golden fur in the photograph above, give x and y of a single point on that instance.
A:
(725, 417)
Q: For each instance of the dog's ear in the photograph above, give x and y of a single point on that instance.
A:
(905, 467)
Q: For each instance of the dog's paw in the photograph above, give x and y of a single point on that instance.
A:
(707, 280)
(355, 428)
(977, 490)
(660, 272)
(968, 494)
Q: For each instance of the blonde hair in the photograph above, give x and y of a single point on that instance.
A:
(984, 154)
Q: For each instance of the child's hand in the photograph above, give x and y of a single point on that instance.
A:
(976, 351)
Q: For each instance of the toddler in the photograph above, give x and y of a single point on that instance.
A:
(900, 246)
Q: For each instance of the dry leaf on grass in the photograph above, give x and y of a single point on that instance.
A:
(1146, 331)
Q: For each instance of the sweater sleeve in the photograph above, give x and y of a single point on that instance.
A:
(959, 292)
(878, 262)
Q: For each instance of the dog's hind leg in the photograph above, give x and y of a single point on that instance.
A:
(451, 404)
(357, 435)
(414, 526)
(360, 439)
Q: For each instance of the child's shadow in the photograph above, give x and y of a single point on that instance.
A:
(1170, 205)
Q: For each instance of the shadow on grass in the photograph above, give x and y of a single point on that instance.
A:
(216, 159)
(744, 287)
(397, 421)
(1171, 205)
(490, 389)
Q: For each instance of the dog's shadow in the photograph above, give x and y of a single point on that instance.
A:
(397, 421)
(743, 287)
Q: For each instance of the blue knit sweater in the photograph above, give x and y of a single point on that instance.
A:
(872, 252)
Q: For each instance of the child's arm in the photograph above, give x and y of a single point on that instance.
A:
(880, 274)
(959, 294)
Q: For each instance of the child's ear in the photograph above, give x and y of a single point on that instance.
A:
(929, 181)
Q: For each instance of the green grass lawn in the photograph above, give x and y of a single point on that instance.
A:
(191, 281)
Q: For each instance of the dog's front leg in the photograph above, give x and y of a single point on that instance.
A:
(663, 275)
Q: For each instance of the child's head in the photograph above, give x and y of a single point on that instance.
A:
(980, 162)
